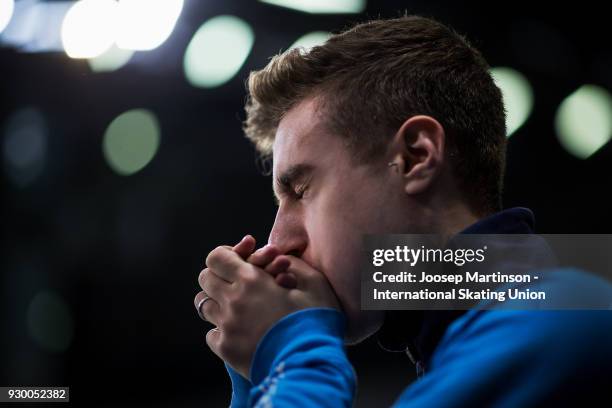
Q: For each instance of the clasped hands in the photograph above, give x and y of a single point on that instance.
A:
(250, 291)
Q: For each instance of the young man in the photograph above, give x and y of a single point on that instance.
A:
(394, 126)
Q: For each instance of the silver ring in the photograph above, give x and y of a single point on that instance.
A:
(200, 304)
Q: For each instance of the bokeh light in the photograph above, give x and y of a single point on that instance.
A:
(24, 146)
(321, 6)
(307, 41)
(209, 61)
(50, 321)
(584, 120)
(35, 26)
(6, 12)
(88, 28)
(146, 24)
(111, 60)
(517, 94)
(131, 141)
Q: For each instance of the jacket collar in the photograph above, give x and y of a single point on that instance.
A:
(517, 220)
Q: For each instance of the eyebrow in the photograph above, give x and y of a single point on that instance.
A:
(285, 181)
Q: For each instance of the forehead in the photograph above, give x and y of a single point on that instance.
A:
(302, 136)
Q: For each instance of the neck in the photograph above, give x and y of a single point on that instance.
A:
(456, 219)
(447, 218)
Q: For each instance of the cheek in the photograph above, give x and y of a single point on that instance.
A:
(335, 225)
(336, 250)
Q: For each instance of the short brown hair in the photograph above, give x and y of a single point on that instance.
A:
(373, 77)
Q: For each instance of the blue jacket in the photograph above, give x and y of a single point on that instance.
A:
(502, 358)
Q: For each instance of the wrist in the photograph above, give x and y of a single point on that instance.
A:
(292, 334)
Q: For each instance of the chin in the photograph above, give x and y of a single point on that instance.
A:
(362, 325)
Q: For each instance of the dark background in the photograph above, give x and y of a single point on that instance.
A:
(124, 253)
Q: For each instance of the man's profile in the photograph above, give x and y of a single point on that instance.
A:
(393, 126)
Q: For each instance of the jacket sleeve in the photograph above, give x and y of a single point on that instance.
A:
(240, 388)
(300, 361)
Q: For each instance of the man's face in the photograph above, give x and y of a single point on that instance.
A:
(327, 203)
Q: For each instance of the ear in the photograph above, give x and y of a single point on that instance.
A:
(419, 152)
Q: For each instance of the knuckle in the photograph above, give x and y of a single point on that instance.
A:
(199, 296)
(214, 256)
(249, 276)
(202, 276)
(196, 299)
(210, 335)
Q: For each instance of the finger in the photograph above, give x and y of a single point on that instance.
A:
(222, 246)
(286, 280)
(278, 265)
(213, 338)
(225, 263)
(278, 269)
(245, 247)
(309, 279)
(202, 276)
(214, 286)
(306, 276)
(263, 256)
(208, 309)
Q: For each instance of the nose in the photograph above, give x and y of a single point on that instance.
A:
(288, 233)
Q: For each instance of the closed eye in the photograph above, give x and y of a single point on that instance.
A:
(298, 193)
(292, 194)
(292, 183)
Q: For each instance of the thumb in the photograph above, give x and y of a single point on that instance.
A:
(245, 247)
